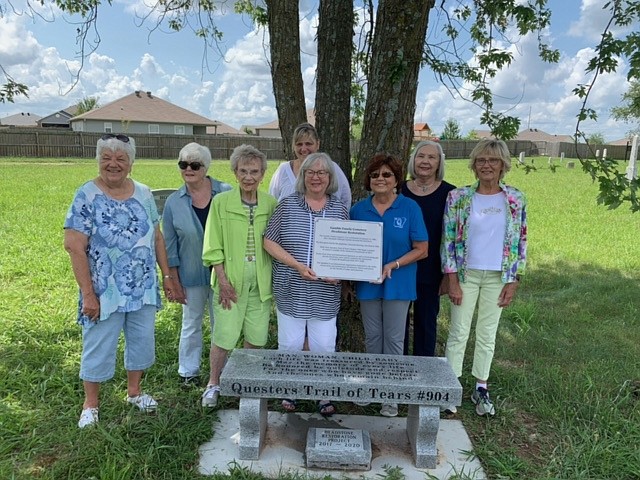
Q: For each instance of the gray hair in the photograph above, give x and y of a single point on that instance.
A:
(116, 145)
(493, 147)
(247, 152)
(194, 152)
(327, 164)
(411, 167)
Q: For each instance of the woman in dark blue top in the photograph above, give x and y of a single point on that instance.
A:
(428, 189)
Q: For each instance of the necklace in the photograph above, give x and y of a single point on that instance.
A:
(424, 188)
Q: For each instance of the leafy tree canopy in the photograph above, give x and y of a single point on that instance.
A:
(451, 130)
(629, 110)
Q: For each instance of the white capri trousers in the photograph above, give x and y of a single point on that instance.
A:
(291, 333)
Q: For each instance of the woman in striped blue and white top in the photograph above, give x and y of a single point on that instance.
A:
(304, 302)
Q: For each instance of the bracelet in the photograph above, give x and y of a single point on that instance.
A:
(397, 265)
(167, 276)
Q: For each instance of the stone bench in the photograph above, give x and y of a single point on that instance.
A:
(160, 196)
(423, 383)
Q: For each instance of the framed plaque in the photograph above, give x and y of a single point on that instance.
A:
(347, 250)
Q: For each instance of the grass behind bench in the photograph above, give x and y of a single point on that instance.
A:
(565, 376)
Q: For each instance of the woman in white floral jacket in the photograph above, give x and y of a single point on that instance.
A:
(484, 244)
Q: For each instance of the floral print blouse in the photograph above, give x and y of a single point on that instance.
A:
(456, 230)
(121, 249)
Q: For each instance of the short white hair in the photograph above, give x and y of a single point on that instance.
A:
(113, 143)
(194, 152)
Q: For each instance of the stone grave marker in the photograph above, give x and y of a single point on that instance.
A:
(338, 448)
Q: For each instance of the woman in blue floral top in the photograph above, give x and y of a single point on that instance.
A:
(113, 238)
(484, 246)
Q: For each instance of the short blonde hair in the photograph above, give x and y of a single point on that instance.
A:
(495, 148)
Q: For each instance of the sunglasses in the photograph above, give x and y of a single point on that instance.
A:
(384, 174)
(195, 166)
(117, 136)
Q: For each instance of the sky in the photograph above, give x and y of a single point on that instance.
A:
(234, 85)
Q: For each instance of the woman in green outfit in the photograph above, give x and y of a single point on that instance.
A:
(242, 279)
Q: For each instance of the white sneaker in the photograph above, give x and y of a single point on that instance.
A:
(144, 402)
(362, 404)
(210, 396)
(389, 410)
(89, 416)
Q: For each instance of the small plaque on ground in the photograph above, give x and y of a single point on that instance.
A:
(338, 449)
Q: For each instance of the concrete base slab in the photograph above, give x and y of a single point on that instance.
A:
(287, 436)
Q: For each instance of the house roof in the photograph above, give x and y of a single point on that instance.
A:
(421, 127)
(482, 134)
(24, 119)
(223, 129)
(621, 141)
(144, 107)
(275, 125)
(536, 135)
(60, 117)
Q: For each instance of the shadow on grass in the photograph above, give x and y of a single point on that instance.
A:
(565, 378)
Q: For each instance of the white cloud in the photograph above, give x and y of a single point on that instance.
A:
(592, 21)
(238, 89)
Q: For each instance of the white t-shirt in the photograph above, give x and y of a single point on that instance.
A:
(283, 183)
(487, 228)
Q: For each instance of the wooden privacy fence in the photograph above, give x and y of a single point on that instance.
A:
(55, 143)
(62, 143)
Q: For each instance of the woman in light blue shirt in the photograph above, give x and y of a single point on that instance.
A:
(183, 222)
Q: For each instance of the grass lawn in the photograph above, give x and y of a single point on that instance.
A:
(566, 376)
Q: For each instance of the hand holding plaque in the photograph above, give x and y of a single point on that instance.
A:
(347, 250)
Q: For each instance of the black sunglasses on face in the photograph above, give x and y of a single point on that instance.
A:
(384, 174)
(118, 136)
(195, 166)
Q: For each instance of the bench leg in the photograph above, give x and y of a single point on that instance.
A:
(422, 430)
(253, 427)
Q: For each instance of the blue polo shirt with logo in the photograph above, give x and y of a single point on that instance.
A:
(403, 224)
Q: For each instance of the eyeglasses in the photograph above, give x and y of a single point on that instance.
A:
(243, 172)
(491, 161)
(313, 173)
(383, 174)
(117, 136)
(195, 166)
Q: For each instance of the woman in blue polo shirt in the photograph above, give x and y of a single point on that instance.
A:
(384, 305)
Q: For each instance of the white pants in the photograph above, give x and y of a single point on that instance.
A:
(291, 333)
(190, 348)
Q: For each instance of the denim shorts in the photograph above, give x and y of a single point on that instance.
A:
(100, 343)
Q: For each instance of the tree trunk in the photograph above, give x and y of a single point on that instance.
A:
(333, 83)
(286, 70)
(396, 55)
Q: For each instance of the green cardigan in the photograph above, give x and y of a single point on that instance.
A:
(225, 239)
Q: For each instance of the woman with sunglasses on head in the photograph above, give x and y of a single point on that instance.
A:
(484, 247)
(242, 268)
(112, 234)
(384, 305)
(183, 221)
(305, 142)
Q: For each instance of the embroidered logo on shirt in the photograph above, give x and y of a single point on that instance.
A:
(398, 222)
(491, 211)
